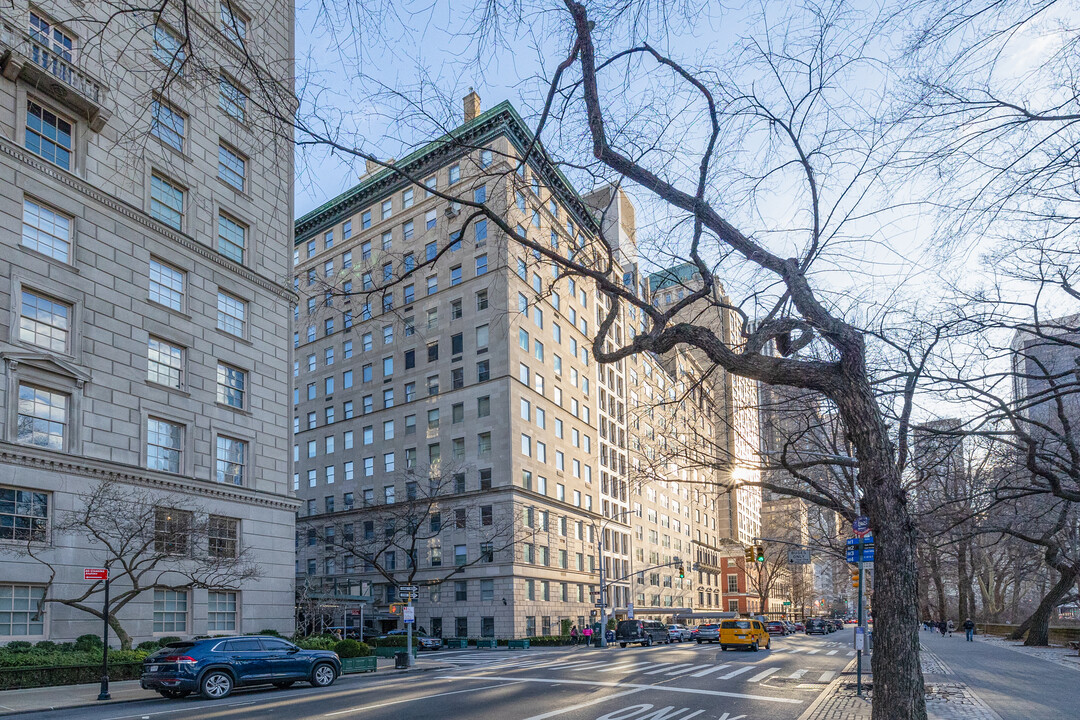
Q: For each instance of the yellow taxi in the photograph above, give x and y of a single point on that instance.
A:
(743, 632)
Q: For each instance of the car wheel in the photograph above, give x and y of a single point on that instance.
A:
(698, 642)
(723, 647)
(768, 645)
(323, 675)
(622, 645)
(753, 646)
(284, 684)
(216, 684)
(173, 693)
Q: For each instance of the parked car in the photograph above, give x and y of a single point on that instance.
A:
(750, 634)
(215, 666)
(800, 627)
(422, 640)
(678, 633)
(816, 626)
(776, 627)
(642, 632)
(707, 633)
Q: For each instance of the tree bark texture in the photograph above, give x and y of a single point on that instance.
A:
(1038, 634)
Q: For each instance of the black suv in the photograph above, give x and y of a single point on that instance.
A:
(645, 632)
(213, 667)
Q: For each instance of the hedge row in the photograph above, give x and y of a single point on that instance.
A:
(12, 678)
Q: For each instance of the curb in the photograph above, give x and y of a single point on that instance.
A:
(827, 692)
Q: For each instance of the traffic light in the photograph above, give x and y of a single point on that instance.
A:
(749, 555)
(759, 553)
(855, 578)
(682, 572)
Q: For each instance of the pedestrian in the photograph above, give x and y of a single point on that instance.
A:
(942, 627)
(588, 635)
(969, 630)
(951, 626)
(573, 635)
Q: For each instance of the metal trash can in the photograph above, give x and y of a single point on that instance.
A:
(401, 661)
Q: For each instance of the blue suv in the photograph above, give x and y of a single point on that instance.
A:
(214, 666)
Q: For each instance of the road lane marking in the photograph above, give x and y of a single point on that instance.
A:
(832, 652)
(616, 668)
(585, 704)
(811, 652)
(510, 681)
(669, 667)
(712, 669)
(763, 674)
(692, 667)
(827, 676)
(851, 653)
(795, 650)
(797, 674)
(740, 671)
(167, 712)
(657, 688)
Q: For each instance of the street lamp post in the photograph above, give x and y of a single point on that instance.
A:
(603, 589)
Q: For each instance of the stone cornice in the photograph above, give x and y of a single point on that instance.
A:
(138, 216)
(44, 460)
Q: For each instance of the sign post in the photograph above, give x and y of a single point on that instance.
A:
(408, 592)
(102, 574)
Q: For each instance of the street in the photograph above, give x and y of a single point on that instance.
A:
(665, 682)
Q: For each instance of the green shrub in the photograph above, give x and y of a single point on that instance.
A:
(18, 646)
(273, 633)
(149, 645)
(163, 641)
(46, 645)
(351, 649)
(85, 643)
(317, 642)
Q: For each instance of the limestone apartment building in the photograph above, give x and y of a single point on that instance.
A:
(451, 428)
(145, 307)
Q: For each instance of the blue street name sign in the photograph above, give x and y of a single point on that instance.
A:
(868, 540)
(867, 555)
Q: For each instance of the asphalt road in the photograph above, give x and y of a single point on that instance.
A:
(666, 682)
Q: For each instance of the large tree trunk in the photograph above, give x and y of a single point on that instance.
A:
(963, 589)
(121, 634)
(898, 680)
(1039, 622)
(939, 584)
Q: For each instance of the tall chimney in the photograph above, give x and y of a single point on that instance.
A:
(472, 105)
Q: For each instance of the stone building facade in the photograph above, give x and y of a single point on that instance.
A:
(452, 429)
(143, 309)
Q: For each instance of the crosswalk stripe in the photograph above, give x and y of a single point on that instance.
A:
(740, 671)
(811, 652)
(851, 653)
(692, 667)
(827, 676)
(795, 650)
(764, 674)
(670, 667)
(592, 665)
(797, 674)
(629, 666)
(832, 652)
(712, 669)
(780, 650)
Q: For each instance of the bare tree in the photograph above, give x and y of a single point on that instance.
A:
(144, 544)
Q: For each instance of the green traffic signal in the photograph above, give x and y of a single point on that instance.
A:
(759, 553)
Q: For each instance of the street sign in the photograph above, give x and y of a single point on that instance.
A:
(410, 588)
(798, 556)
(406, 592)
(852, 555)
(630, 610)
(410, 614)
(95, 574)
(860, 638)
(600, 605)
(867, 540)
(861, 526)
(787, 602)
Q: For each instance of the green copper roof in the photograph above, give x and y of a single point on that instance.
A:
(385, 181)
(678, 276)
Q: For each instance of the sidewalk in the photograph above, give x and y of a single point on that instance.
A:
(17, 702)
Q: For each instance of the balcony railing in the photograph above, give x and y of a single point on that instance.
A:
(41, 65)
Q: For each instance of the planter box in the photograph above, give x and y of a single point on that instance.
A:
(518, 645)
(456, 643)
(359, 664)
(486, 643)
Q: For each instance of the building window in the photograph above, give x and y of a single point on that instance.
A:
(166, 285)
(230, 315)
(231, 384)
(163, 445)
(46, 231)
(172, 530)
(166, 201)
(481, 265)
(42, 417)
(170, 611)
(232, 238)
(167, 124)
(24, 516)
(169, 49)
(230, 460)
(224, 537)
(220, 611)
(232, 99)
(20, 614)
(164, 363)
(233, 23)
(45, 323)
(232, 167)
(48, 135)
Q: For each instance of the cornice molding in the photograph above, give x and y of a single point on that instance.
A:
(138, 216)
(27, 457)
